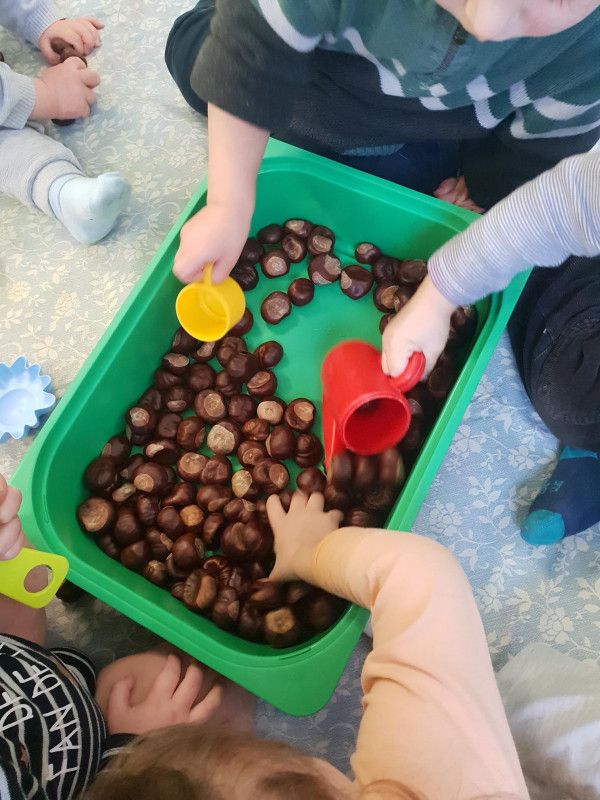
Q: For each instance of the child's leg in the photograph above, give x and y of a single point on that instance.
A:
(184, 42)
(555, 333)
(236, 710)
(44, 174)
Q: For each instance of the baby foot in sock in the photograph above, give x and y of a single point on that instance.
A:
(569, 501)
(89, 207)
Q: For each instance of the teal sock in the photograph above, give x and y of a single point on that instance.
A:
(569, 501)
(88, 207)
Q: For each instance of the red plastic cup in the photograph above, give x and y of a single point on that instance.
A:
(364, 410)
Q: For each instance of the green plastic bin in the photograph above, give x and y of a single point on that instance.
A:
(291, 183)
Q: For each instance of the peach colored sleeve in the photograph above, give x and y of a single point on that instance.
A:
(433, 719)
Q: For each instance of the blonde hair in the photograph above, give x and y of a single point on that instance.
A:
(190, 762)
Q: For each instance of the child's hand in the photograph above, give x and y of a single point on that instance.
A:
(170, 701)
(81, 33)
(64, 91)
(216, 234)
(12, 538)
(454, 190)
(298, 533)
(422, 325)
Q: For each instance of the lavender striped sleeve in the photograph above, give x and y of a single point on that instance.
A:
(542, 223)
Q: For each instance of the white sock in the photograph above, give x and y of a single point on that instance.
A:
(89, 207)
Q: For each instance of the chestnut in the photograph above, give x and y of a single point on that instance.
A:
(320, 240)
(239, 510)
(220, 567)
(192, 518)
(295, 591)
(281, 627)
(205, 351)
(249, 624)
(217, 470)
(243, 485)
(412, 271)
(211, 530)
(152, 478)
(366, 253)
(336, 498)
(200, 590)
(169, 521)
(241, 408)
(270, 234)
(281, 443)
(213, 497)
(226, 608)
(245, 273)
(463, 323)
(243, 325)
(152, 398)
(178, 398)
(249, 541)
(365, 473)
(132, 463)
(360, 518)
(401, 298)
(167, 425)
(421, 402)
(96, 515)
(414, 438)
(160, 544)
(384, 295)
(227, 385)
(271, 410)
(200, 377)
(269, 354)
(187, 552)
(228, 347)
(390, 468)
(100, 475)
(190, 466)
(163, 379)
(183, 342)
(300, 414)
(299, 227)
(320, 610)
(181, 494)
(262, 384)
(156, 572)
(309, 450)
(440, 382)
(177, 363)
(242, 366)
(385, 269)
(294, 247)
(385, 321)
(324, 269)
(249, 453)
(210, 405)
(311, 480)
(147, 507)
(123, 493)
(177, 589)
(190, 433)
(380, 498)
(275, 307)
(278, 478)
(355, 281)
(256, 429)
(301, 291)
(107, 544)
(275, 263)
(265, 594)
(341, 470)
(252, 250)
(127, 528)
(175, 572)
(135, 556)
(224, 437)
(162, 451)
(118, 448)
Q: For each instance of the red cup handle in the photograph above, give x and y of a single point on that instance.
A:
(411, 375)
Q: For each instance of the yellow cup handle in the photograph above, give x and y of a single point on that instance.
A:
(14, 572)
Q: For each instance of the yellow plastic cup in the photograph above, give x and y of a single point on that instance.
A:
(14, 572)
(207, 311)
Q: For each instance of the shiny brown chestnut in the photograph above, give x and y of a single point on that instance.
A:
(324, 269)
(190, 466)
(379, 499)
(200, 590)
(163, 379)
(275, 307)
(162, 451)
(217, 470)
(108, 545)
(271, 410)
(301, 291)
(401, 298)
(299, 227)
(336, 498)
(383, 296)
(300, 414)
(242, 366)
(160, 544)
(224, 437)
(156, 572)
(152, 398)
(169, 521)
(281, 627)
(177, 363)
(210, 405)
(256, 430)
(246, 542)
(252, 250)
(243, 485)
(244, 325)
(249, 453)
(366, 471)
(294, 247)
(100, 475)
(147, 507)
(211, 530)
(167, 425)
(241, 408)
(226, 608)
(320, 240)
(152, 478)
(118, 448)
(190, 433)
(440, 382)
(274, 264)
(411, 271)
(390, 468)
(341, 470)
(281, 443)
(183, 342)
(187, 552)
(360, 518)
(311, 480)
(175, 573)
(385, 321)
(239, 510)
(227, 385)
(96, 515)
(278, 478)
(262, 384)
(385, 269)
(309, 450)
(269, 354)
(200, 377)
(135, 556)
(205, 351)
(213, 497)
(355, 281)
(177, 589)
(178, 398)
(366, 253)
(266, 595)
(123, 493)
(270, 234)
(295, 591)
(249, 624)
(319, 610)
(246, 274)
(228, 347)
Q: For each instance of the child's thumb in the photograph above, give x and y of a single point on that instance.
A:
(120, 695)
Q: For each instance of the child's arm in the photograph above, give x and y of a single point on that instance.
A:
(542, 223)
(433, 719)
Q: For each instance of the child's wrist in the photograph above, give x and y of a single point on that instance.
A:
(43, 103)
(430, 295)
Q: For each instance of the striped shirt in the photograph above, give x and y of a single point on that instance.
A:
(543, 223)
(340, 75)
(52, 734)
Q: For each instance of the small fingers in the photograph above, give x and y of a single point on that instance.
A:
(120, 696)
(336, 516)
(316, 502)
(167, 679)
(298, 502)
(9, 505)
(12, 539)
(205, 709)
(187, 691)
(275, 511)
(90, 77)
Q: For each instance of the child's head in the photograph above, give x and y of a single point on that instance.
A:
(497, 20)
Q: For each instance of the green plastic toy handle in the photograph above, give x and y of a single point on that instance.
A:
(14, 572)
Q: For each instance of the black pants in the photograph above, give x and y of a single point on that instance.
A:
(555, 329)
